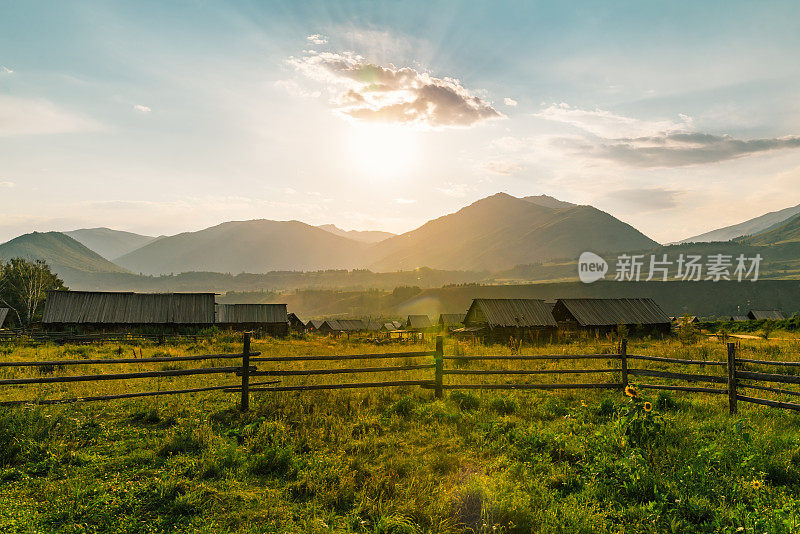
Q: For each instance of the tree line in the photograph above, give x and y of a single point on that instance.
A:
(23, 289)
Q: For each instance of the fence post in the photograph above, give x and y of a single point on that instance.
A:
(245, 406)
(439, 361)
(623, 357)
(732, 378)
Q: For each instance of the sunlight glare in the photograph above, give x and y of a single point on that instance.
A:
(383, 151)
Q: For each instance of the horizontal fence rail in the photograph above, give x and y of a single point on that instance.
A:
(337, 357)
(156, 359)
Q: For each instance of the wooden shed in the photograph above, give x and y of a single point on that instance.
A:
(418, 323)
(270, 319)
(341, 326)
(601, 316)
(3, 315)
(500, 320)
(450, 321)
(295, 324)
(121, 311)
(313, 325)
(738, 318)
(769, 315)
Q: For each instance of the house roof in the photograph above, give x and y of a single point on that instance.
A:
(451, 319)
(513, 312)
(772, 315)
(96, 307)
(252, 313)
(738, 318)
(418, 321)
(314, 323)
(3, 313)
(372, 326)
(610, 312)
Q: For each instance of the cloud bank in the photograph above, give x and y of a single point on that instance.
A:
(366, 91)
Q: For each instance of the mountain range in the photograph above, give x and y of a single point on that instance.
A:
(494, 234)
(747, 228)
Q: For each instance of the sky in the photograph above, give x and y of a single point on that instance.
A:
(166, 117)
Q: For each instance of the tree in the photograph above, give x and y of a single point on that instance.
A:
(687, 333)
(23, 288)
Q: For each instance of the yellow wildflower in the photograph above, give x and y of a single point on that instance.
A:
(756, 484)
(648, 407)
(631, 392)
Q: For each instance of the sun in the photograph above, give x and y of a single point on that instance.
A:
(383, 151)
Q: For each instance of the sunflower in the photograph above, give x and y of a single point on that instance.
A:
(631, 392)
(648, 407)
(756, 484)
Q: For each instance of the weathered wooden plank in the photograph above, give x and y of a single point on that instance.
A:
(674, 360)
(609, 385)
(308, 372)
(119, 376)
(768, 377)
(771, 403)
(357, 385)
(526, 371)
(343, 357)
(538, 357)
(694, 389)
(768, 362)
(677, 376)
(767, 388)
(156, 359)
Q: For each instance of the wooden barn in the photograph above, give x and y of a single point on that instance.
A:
(500, 320)
(769, 315)
(450, 321)
(601, 316)
(341, 326)
(122, 312)
(295, 324)
(270, 319)
(738, 318)
(3, 315)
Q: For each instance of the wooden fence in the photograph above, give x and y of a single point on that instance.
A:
(40, 337)
(738, 374)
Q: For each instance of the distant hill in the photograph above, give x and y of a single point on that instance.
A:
(365, 236)
(110, 244)
(501, 231)
(749, 227)
(63, 253)
(257, 246)
(787, 232)
(549, 202)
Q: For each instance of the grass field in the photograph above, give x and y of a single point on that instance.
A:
(395, 460)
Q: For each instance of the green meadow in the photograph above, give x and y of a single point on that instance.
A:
(395, 460)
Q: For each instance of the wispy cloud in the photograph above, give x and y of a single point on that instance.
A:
(370, 92)
(141, 109)
(317, 39)
(457, 190)
(647, 199)
(24, 116)
(5, 70)
(510, 102)
(502, 167)
(634, 142)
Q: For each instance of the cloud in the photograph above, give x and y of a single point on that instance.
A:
(632, 142)
(648, 198)
(141, 109)
(6, 185)
(5, 70)
(402, 200)
(502, 167)
(366, 91)
(607, 124)
(294, 89)
(510, 102)
(674, 149)
(456, 190)
(317, 39)
(23, 116)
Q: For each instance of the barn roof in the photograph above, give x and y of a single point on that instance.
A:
(772, 315)
(314, 323)
(251, 313)
(514, 312)
(418, 321)
(373, 326)
(389, 327)
(293, 318)
(451, 319)
(95, 307)
(609, 312)
(3, 313)
(345, 325)
(739, 318)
